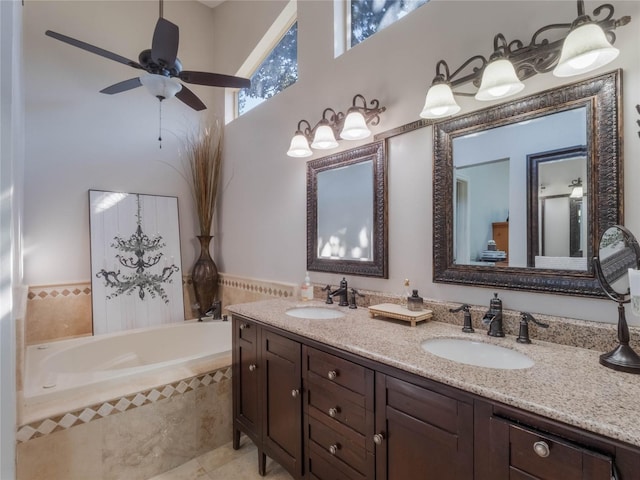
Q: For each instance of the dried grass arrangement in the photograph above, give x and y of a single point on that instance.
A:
(203, 162)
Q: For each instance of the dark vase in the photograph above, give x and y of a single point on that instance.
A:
(205, 277)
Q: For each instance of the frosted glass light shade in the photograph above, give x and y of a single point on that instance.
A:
(161, 86)
(577, 192)
(439, 102)
(355, 127)
(299, 147)
(585, 48)
(499, 80)
(324, 138)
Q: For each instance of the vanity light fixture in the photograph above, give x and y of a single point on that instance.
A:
(576, 188)
(587, 45)
(352, 126)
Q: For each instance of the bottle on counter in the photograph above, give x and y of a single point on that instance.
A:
(306, 289)
(414, 302)
(406, 292)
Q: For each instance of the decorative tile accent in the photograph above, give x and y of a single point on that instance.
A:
(39, 292)
(273, 289)
(64, 421)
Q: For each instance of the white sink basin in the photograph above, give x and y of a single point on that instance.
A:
(476, 353)
(315, 313)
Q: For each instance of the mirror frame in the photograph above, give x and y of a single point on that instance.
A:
(602, 97)
(378, 267)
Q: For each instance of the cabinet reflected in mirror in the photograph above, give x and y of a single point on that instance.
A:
(347, 213)
(503, 179)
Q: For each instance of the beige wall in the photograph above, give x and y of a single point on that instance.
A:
(79, 139)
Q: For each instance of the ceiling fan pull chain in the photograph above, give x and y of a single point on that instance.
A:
(160, 125)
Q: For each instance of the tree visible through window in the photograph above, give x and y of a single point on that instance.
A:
(370, 16)
(277, 72)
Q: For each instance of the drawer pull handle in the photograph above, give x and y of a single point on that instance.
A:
(244, 325)
(295, 393)
(541, 449)
(332, 375)
(378, 438)
(333, 449)
(252, 367)
(334, 411)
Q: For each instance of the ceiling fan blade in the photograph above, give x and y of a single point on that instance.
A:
(187, 96)
(93, 49)
(122, 86)
(164, 48)
(214, 79)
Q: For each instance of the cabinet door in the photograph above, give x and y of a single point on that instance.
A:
(246, 384)
(519, 453)
(421, 434)
(282, 420)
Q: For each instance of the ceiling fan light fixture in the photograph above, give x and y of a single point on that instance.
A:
(160, 86)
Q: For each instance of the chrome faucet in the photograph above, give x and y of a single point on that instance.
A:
(493, 317)
(342, 292)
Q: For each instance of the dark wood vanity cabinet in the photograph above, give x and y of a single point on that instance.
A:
(339, 417)
(324, 414)
(267, 394)
(422, 433)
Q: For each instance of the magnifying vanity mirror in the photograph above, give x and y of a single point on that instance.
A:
(523, 190)
(347, 212)
(617, 253)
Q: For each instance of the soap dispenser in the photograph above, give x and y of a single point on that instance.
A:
(306, 289)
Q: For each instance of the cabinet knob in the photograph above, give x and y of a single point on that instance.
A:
(244, 325)
(333, 411)
(378, 438)
(332, 375)
(252, 367)
(333, 449)
(541, 449)
(295, 393)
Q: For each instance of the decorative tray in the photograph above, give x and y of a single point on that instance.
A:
(397, 312)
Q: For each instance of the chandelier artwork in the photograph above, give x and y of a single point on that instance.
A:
(139, 254)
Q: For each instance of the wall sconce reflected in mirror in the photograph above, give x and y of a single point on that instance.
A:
(586, 46)
(576, 188)
(352, 126)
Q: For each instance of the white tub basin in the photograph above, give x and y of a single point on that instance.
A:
(477, 353)
(315, 313)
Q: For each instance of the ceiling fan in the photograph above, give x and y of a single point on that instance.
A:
(162, 67)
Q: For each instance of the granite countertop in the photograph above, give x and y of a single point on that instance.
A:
(566, 383)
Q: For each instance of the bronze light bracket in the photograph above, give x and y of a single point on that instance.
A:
(539, 56)
(335, 120)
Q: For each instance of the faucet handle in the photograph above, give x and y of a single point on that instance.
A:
(526, 316)
(464, 307)
(329, 300)
(353, 304)
(523, 334)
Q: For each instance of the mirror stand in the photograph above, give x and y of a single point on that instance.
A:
(622, 358)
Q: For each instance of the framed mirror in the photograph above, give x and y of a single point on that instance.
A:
(347, 212)
(503, 211)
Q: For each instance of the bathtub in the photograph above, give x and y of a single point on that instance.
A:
(69, 374)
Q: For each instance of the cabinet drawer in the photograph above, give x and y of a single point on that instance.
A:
(246, 330)
(337, 402)
(322, 466)
(341, 443)
(563, 460)
(425, 405)
(339, 371)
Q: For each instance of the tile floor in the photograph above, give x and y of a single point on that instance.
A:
(225, 463)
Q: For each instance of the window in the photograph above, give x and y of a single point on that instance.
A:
(275, 73)
(370, 16)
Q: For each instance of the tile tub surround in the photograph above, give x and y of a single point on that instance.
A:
(61, 311)
(566, 384)
(132, 437)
